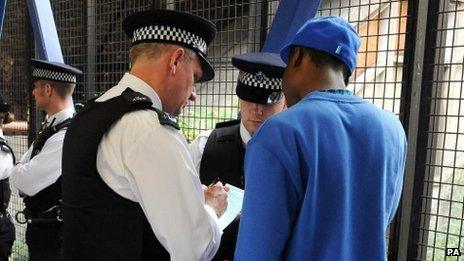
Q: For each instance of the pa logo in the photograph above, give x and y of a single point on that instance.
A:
(452, 251)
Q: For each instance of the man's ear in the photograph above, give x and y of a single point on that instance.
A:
(297, 56)
(176, 56)
(48, 89)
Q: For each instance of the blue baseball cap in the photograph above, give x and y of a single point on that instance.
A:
(331, 34)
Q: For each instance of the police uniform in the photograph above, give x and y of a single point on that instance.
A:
(7, 159)
(37, 174)
(221, 152)
(324, 177)
(130, 191)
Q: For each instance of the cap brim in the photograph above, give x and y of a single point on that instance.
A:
(55, 66)
(208, 71)
(285, 53)
(256, 95)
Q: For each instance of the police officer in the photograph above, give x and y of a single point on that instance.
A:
(7, 159)
(37, 174)
(130, 189)
(324, 177)
(220, 152)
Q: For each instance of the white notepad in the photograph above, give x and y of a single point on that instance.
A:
(234, 206)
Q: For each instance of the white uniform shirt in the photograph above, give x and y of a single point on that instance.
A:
(6, 161)
(150, 163)
(198, 145)
(30, 176)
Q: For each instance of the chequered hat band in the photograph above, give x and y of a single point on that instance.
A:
(260, 80)
(169, 33)
(54, 76)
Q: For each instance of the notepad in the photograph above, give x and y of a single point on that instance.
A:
(234, 206)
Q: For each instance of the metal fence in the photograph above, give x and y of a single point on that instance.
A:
(15, 81)
(410, 62)
(438, 186)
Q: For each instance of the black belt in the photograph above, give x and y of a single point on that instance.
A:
(51, 215)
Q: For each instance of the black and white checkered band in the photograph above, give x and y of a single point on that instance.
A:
(169, 33)
(260, 80)
(54, 76)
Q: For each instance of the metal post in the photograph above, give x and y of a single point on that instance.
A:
(170, 5)
(35, 117)
(265, 9)
(254, 25)
(158, 4)
(433, 67)
(2, 14)
(45, 34)
(417, 91)
(91, 51)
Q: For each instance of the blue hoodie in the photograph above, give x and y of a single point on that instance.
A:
(322, 182)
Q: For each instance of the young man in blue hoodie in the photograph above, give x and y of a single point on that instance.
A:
(323, 178)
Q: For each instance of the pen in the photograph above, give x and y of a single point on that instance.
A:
(216, 180)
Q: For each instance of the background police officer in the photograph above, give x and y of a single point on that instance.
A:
(220, 153)
(37, 174)
(7, 159)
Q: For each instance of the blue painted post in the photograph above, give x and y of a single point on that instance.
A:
(290, 16)
(2, 14)
(46, 37)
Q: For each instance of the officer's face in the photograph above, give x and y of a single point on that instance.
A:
(40, 92)
(254, 114)
(188, 73)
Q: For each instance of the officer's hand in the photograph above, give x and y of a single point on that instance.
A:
(216, 197)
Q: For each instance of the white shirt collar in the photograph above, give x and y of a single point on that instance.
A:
(60, 116)
(1, 134)
(138, 85)
(244, 134)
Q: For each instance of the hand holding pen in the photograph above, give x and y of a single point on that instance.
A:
(216, 197)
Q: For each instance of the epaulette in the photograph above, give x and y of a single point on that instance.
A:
(132, 97)
(45, 134)
(227, 123)
(165, 118)
(62, 125)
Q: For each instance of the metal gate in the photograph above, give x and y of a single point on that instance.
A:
(410, 62)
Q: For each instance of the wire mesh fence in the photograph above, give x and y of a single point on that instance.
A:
(15, 52)
(442, 213)
(92, 40)
(379, 74)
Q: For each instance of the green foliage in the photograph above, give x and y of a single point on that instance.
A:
(19, 251)
(447, 231)
(204, 118)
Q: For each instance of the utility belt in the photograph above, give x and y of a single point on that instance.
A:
(49, 216)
